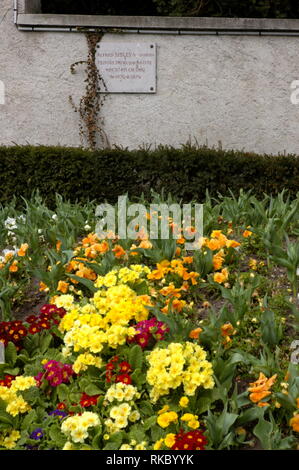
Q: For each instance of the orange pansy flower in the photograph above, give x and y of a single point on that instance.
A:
(13, 268)
(22, 251)
(261, 388)
(146, 244)
(247, 233)
(118, 251)
(63, 287)
(194, 334)
(294, 422)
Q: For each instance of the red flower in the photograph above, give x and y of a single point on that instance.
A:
(31, 319)
(34, 328)
(44, 324)
(16, 337)
(6, 382)
(22, 331)
(125, 367)
(61, 406)
(124, 378)
(109, 376)
(142, 339)
(88, 400)
(192, 440)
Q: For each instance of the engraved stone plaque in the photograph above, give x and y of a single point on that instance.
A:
(127, 67)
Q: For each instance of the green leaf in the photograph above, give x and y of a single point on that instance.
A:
(136, 357)
(62, 391)
(263, 431)
(249, 415)
(92, 389)
(96, 439)
(14, 371)
(227, 421)
(137, 433)
(57, 436)
(114, 442)
(146, 408)
(149, 422)
(111, 446)
(6, 418)
(86, 282)
(45, 342)
(204, 404)
(138, 377)
(29, 418)
(10, 354)
(157, 433)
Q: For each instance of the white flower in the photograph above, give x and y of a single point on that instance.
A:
(10, 223)
(12, 252)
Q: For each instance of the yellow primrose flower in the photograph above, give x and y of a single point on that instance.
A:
(169, 440)
(184, 401)
(158, 444)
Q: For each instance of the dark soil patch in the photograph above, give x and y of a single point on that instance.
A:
(31, 303)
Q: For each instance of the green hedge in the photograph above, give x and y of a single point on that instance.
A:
(224, 8)
(79, 174)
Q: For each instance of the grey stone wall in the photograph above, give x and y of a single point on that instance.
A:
(233, 89)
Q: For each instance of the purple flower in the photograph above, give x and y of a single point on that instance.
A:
(37, 434)
(61, 414)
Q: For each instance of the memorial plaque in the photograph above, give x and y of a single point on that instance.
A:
(127, 67)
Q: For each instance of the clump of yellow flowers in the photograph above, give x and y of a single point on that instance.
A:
(9, 439)
(84, 360)
(121, 392)
(134, 274)
(121, 414)
(105, 320)
(76, 427)
(178, 364)
(15, 403)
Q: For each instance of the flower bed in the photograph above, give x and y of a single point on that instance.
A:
(143, 345)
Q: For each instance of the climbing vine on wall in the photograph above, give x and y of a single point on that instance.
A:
(90, 105)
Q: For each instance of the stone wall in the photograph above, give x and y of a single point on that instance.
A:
(232, 89)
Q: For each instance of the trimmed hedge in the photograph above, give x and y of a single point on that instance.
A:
(187, 173)
(224, 8)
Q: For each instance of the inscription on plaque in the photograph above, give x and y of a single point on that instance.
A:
(127, 67)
